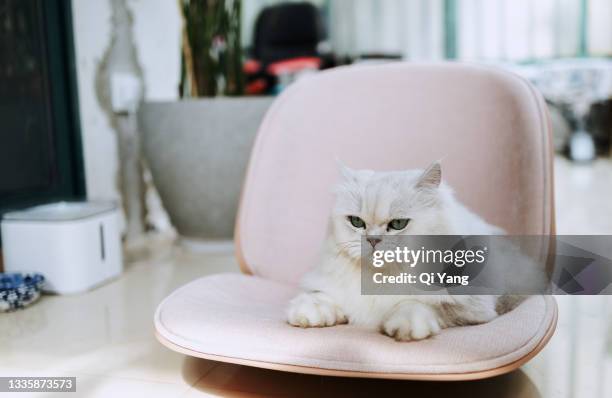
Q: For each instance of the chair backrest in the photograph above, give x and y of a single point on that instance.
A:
(489, 126)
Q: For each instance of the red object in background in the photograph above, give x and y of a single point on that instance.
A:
(294, 65)
(258, 86)
(261, 81)
(251, 67)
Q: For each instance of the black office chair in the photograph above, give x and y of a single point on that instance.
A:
(285, 32)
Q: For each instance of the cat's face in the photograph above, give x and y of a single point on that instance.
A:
(378, 204)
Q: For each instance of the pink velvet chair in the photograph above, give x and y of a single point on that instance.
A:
(490, 128)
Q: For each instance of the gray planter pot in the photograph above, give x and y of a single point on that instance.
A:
(198, 151)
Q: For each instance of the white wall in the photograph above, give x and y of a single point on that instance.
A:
(157, 32)
(156, 29)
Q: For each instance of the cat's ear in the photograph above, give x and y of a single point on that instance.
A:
(346, 172)
(431, 177)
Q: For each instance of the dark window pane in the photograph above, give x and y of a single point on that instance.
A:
(27, 149)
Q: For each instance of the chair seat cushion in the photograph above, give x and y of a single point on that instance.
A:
(241, 319)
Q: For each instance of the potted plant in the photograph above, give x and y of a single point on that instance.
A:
(198, 148)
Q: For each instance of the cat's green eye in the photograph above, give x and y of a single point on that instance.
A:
(356, 222)
(398, 224)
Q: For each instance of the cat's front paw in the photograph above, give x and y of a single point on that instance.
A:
(411, 321)
(314, 310)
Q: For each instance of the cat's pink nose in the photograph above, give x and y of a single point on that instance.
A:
(374, 241)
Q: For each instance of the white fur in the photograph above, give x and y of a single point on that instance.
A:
(333, 288)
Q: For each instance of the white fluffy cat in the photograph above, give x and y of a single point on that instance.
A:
(412, 202)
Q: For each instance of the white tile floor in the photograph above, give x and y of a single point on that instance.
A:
(105, 337)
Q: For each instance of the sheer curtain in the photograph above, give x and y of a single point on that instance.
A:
(523, 30)
(413, 28)
(517, 30)
(500, 30)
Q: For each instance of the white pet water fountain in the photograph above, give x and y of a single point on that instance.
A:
(74, 245)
